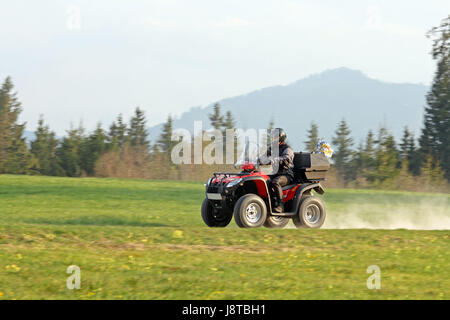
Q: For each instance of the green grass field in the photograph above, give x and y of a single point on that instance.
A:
(137, 239)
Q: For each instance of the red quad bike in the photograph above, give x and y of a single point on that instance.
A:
(247, 196)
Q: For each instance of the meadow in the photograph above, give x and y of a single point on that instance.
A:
(145, 239)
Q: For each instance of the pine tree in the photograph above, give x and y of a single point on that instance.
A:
(413, 156)
(112, 137)
(387, 157)
(20, 159)
(216, 118)
(117, 135)
(165, 143)
(229, 122)
(44, 150)
(370, 144)
(137, 132)
(91, 148)
(68, 152)
(408, 152)
(358, 160)
(368, 157)
(342, 151)
(15, 156)
(405, 145)
(313, 137)
(435, 138)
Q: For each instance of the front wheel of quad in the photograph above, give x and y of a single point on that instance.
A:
(213, 217)
(250, 211)
(311, 214)
(276, 222)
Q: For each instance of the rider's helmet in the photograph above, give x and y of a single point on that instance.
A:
(279, 135)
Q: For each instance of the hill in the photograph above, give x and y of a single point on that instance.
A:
(324, 98)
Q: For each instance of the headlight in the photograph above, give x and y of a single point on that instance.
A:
(234, 182)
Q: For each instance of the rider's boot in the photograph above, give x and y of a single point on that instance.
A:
(277, 206)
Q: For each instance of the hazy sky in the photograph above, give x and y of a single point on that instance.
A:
(93, 59)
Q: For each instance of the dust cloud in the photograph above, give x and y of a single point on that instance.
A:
(422, 215)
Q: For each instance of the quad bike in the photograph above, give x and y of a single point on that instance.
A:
(247, 196)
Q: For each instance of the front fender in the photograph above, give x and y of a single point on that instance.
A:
(261, 188)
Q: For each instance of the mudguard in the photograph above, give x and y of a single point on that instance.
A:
(298, 196)
(263, 190)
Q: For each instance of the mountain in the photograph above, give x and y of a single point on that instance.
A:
(325, 98)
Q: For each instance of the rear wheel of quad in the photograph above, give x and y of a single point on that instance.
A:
(276, 222)
(311, 214)
(214, 217)
(250, 211)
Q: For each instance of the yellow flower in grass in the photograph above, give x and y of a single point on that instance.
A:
(13, 268)
(178, 234)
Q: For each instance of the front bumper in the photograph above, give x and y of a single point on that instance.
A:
(220, 195)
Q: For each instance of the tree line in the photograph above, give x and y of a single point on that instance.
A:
(380, 161)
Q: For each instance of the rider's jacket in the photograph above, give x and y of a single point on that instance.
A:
(285, 159)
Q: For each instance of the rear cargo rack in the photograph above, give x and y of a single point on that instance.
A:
(310, 166)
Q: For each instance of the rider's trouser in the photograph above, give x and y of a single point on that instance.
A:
(277, 183)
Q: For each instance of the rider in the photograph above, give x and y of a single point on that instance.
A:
(285, 161)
